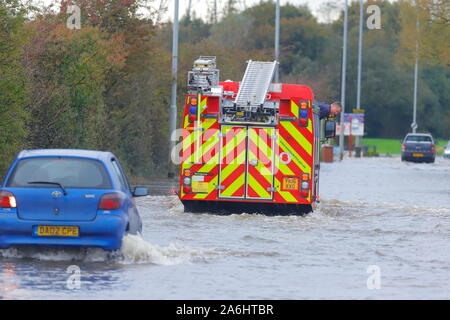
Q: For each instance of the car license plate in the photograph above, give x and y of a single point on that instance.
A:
(290, 183)
(417, 155)
(57, 231)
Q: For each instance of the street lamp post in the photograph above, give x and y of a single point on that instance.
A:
(343, 75)
(360, 44)
(277, 39)
(416, 74)
(173, 99)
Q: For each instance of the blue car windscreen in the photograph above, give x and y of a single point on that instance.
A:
(69, 172)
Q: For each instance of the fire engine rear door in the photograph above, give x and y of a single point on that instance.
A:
(233, 153)
(260, 156)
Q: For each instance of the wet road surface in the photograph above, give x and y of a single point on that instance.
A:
(381, 223)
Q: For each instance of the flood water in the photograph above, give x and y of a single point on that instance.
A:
(379, 219)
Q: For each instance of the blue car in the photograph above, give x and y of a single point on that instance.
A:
(72, 198)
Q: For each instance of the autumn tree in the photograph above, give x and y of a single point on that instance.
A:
(13, 82)
(425, 24)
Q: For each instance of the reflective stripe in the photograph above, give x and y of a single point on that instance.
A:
(260, 176)
(295, 110)
(232, 166)
(299, 138)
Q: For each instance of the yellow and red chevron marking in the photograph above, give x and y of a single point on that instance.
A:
(200, 151)
(233, 159)
(298, 143)
(260, 163)
(200, 138)
(203, 144)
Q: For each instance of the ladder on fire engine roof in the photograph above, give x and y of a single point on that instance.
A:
(255, 84)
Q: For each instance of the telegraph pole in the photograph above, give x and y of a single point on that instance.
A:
(344, 69)
(358, 92)
(416, 74)
(360, 44)
(173, 99)
(277, 39)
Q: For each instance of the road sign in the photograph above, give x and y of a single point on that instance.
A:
(357, 124)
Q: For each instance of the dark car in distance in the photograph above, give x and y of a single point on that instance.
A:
(418, 147)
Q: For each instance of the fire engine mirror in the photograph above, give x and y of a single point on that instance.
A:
(330, 129)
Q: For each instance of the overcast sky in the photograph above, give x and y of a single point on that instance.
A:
(200, 6)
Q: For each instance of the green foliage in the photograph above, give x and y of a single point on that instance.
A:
(67, 70)
(13, 84)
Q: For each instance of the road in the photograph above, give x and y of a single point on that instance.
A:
(381, 224)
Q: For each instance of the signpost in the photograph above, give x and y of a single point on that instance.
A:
(355, 121)
(353, 127)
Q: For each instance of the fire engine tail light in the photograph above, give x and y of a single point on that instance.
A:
(7, 200)
(303, 114)
(187, 181)
(192, 118)
(193, 101)
(305, 185)
(193, 109)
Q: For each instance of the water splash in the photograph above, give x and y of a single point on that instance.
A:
(134, 250)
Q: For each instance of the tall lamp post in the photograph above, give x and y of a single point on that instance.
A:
(344, 69)
(277, 39)
(416, 74)
(173, 99)
(360, 44)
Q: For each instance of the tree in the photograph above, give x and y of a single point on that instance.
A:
(432, 33)
(13, 84)
(67, 70)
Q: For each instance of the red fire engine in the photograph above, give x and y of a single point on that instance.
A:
(251, 146)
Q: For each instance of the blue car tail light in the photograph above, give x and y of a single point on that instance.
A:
(111, 201)
(7, 200)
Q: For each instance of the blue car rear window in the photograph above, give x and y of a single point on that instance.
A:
(69, 172)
